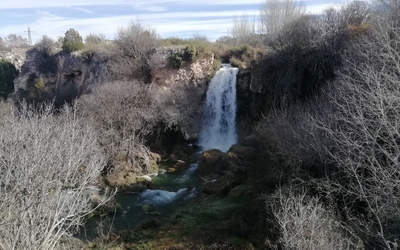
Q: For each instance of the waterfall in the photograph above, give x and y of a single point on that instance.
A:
(219, 130)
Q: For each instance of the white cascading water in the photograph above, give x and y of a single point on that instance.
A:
(219, 130)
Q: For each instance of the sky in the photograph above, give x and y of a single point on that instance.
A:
(171, 18)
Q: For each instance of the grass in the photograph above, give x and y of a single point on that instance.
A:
(212, 218)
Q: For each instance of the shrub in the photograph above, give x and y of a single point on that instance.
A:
(241, 56)
(176, 60)
(94, 39)
(72, 41)
(179, 108)
(48, 163)
(126, 117)
(8, 72)
(194, 50)
(197, 50)
(173, 41)
(236, 63)
(134, 46)
(304, 223)
(45, 45)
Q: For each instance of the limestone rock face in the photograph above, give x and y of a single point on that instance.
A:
(254, 98)
(13, 58)
(65, 75)
(191, 73)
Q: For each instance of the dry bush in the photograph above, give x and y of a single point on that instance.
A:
(305, 223)
(292, 139)
(47, 164)
(96, 44)
(358, 131)
(134, 46)
(367, 131)
(123, 114)
(45, 45)
(179, 108)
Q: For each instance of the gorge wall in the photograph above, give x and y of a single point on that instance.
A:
(63, 75)
(254, 98)
(67, 75)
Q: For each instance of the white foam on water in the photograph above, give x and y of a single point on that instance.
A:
(157, 197)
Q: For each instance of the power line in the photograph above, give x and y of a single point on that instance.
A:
(77, 13)
(98, 4)
(29, 36)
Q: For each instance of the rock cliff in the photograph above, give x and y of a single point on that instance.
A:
(254, 98)
(14, 58)
(67, 75)
(164, 74)
(63, 75)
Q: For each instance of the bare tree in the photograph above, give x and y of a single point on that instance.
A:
(243, 31)
(200, 37)
(275, 14)
(179, 108)
(134, 45)
(14, 41)
(357, 130)
(305, 223)
(48, 164)
(367, 130)
(94, 38)
(126, 115)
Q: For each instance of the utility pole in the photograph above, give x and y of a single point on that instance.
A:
(29, 36)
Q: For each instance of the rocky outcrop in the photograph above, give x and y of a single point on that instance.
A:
(13, 58)
(222, 172)
(164, 74)
(64, 75)
(68, 75)
(254, 98)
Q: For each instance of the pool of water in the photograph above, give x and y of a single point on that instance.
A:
(169, 192)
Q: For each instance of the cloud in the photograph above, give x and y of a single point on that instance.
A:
(81, 9)
(186, 18)
(29, 4)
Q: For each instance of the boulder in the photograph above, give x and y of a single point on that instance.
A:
(223, 185)
(179, 166)
(247, 153)
(128, 180)
(210, 162)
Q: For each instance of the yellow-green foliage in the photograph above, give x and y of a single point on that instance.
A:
(193, 51)
(237, 63)
(241, 56)
(39, 90)
(173, 41)
(359, 29)
(102, 49)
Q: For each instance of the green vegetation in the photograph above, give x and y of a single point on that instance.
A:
(7, 74)
(192, 52)
(173, 41)
(72, 41)
(241, 56)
